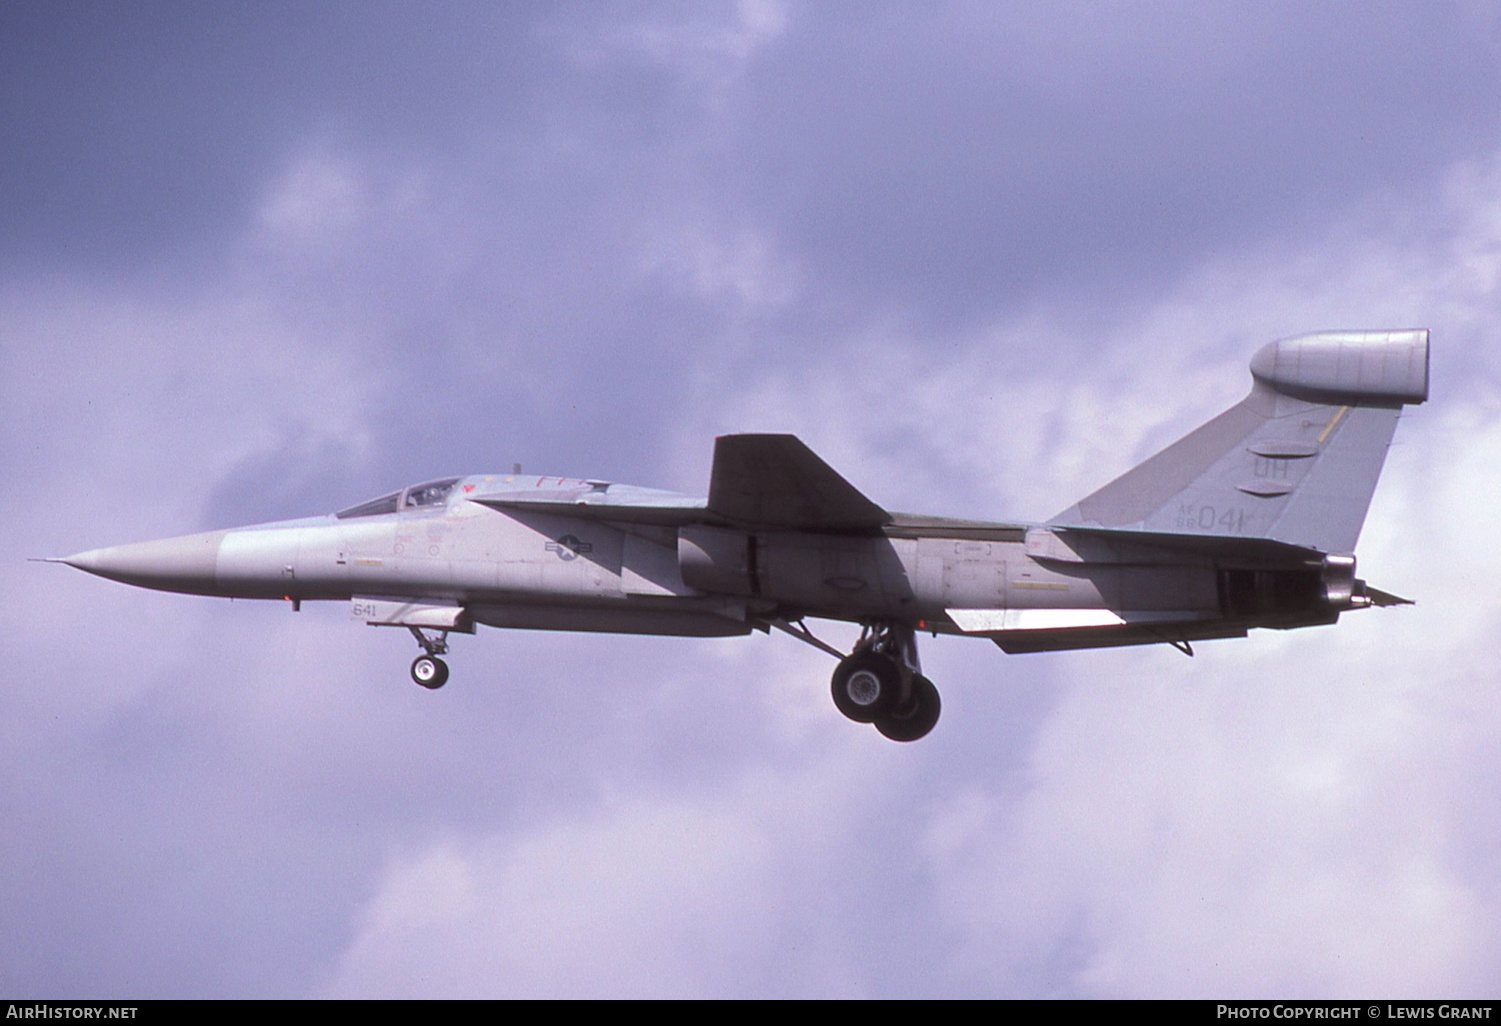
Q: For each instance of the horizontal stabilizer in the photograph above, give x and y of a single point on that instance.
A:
(1065, 640)
(1117, 545)
(992, 621)
(777, 481)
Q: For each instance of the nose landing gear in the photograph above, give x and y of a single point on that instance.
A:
(427, 669)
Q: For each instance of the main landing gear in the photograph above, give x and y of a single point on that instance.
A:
(427, 669)
(881, 682)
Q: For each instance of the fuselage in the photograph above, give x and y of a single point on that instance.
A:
(514, 566)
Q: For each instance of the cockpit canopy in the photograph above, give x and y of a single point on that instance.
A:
(429, 493)
(433, 493)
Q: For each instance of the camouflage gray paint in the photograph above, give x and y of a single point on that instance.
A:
(1248, 521)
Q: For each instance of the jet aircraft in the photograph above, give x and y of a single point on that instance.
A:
(1248, 521)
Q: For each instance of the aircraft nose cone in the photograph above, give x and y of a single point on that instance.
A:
(171, 564)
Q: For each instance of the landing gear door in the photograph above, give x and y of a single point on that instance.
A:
(411, 613)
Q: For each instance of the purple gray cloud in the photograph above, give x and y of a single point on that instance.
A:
(270, 262)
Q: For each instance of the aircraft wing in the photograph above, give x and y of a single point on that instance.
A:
(765, 481)
(777, 481)
(615, 503)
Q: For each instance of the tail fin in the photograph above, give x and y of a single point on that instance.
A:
(1295, 461)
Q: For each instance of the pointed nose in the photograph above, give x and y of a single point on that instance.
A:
(171, 564)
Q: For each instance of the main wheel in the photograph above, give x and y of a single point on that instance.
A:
(865, 686)
(429, 671)
(916, 718)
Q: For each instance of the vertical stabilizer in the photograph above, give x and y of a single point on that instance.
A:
(1295, 461)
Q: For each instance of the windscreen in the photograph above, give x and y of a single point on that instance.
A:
(430, 493)
(375, 507)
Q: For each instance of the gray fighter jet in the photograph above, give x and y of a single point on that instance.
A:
(1248, 521)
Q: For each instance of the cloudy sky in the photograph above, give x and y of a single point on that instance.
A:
(269, 260)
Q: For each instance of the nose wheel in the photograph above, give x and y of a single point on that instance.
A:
(430, 671)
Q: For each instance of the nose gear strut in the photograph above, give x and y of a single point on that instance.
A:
(427, 669)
